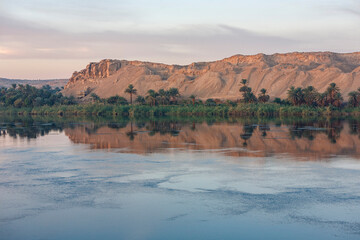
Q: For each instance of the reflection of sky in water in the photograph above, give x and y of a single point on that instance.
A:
(54, 189)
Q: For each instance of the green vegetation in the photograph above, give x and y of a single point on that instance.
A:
(131, 90)
(247, 94)
(28, 96)
(210, 108)
(311, 97)
(26, 100)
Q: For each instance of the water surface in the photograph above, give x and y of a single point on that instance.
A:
(179, 179)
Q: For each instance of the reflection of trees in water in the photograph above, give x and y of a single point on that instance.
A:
(278, 123)
(117, 125)
(140, 124)
(193, 126)
(210, 122)
(302, 128)
(131, 134)
(247, 132)
(94, 127)
(334, 129)
(354, 127)
(91, 129)
(309, 129)
(264, 128)
(28, 129)
(163, 127)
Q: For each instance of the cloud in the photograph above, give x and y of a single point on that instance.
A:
(5, 51)
(71, 15)
(348, 7)
(355, 12)
(354, 8)
(22, 42)
(136, 30)
(188, 41)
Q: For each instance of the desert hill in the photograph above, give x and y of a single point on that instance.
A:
(222, 79)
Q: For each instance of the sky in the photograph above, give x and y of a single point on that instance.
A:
(47, 39)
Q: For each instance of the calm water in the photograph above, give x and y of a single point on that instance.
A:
(172, 179)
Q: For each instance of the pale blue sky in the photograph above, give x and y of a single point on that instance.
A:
(51, 38)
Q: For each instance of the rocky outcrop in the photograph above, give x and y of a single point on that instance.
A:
(222, 79)
(102, 69)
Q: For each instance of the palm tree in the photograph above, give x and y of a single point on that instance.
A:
(131, 90)
(162, 92)
(21, 88)
(193, 97)
(311, 96)
(354, 98)
(244, 88)
(338, 100)
(152, 93)
(249, 96)
(295, 95)
(174, 93)
(151, 100)
(263, 97)
(332, 93)
(292, 95)
(140, 99)
(151, 97)
(322, 99)
(163, 96)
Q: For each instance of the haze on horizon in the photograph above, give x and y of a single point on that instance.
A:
(42, 39)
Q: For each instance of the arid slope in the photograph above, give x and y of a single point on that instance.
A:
(222, 79)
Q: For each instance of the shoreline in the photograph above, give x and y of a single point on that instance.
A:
(135, 111)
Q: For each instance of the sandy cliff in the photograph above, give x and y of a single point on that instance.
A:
(221, 79)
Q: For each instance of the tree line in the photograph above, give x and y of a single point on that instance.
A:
(308, 96)
(153, 98)
(28, 96)
(296, 96)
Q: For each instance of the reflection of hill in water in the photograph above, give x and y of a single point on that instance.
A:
(321, 140)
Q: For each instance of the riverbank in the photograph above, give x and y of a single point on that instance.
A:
(136, 111)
